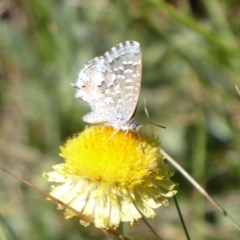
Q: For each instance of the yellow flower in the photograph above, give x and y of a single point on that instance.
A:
(108, 177)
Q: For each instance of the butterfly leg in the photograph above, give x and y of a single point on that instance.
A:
(117, 130)
(103, 126)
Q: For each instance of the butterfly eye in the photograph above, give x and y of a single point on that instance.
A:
(83, 86)
(75, 86)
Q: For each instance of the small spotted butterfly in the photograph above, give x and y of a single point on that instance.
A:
(110, 84)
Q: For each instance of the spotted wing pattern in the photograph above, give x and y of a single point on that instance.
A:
(110, 84)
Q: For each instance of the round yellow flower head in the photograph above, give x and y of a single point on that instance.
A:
(111, 176)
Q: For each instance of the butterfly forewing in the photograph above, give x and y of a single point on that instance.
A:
(111, 85)
(125, 61)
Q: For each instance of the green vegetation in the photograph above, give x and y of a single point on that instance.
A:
(191, 64)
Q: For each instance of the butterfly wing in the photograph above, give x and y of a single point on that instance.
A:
(111, 84)
(95, 86)
(125, 61)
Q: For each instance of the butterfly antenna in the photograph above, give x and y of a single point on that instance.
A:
(148, 117)
(139, 137)
(155, 124)
(147, 113)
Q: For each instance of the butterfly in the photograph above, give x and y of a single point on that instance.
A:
(110, 84)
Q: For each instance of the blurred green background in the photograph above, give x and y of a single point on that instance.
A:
(191, 64)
